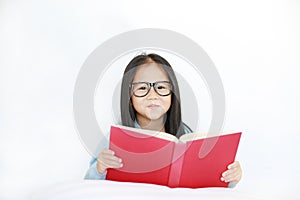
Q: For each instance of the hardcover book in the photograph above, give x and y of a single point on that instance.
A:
(194, 160)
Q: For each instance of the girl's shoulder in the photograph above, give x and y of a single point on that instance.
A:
(187, 129)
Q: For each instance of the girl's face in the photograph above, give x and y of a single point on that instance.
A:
(152, 107)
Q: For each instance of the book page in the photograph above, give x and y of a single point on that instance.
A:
(158, 134)
(201, 135)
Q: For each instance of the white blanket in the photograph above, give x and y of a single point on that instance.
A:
(110, 190)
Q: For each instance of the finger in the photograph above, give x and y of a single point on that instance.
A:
(111, 158)
(230, 171)
(108, 152)
(237, 169)
(233, 165)
(227, 174)
(232, 177)
(112, 164)
(223, 175)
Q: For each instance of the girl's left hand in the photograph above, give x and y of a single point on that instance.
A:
(233, 174)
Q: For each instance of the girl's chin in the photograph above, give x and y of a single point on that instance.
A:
(155, 113)
(154, 117)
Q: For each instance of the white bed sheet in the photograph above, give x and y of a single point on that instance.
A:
(103, 189)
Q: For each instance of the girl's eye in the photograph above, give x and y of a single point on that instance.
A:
(161, 87)
(142, 88)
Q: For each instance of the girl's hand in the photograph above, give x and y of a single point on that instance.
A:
(233, 174)
(106, 159)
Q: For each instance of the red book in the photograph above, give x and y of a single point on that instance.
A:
(194, 160)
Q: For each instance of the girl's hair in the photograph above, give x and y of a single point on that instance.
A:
(173, 123)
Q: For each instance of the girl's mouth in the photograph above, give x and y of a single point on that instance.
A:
(153, 106)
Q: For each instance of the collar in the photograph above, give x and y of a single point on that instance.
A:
(136, 125)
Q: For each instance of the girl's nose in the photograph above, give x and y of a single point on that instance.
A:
(152, 93)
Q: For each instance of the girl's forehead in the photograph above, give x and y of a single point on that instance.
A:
(150, 72)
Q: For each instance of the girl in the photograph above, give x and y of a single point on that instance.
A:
(150, 99)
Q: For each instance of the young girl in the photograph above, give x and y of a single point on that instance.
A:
(150, 99)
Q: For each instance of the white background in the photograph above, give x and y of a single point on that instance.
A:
(255, 46)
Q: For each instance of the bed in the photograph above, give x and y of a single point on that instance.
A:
(103, 189)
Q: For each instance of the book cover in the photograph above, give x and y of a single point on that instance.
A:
(194, 160)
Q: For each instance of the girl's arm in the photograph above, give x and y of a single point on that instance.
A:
(93, 173)
(106, 159)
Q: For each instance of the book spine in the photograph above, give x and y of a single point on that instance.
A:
(176, 165)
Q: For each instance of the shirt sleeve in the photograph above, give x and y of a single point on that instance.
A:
(231, 185)
(93, 173)
(187, 129)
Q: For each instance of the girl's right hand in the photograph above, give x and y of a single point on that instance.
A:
(106, 159)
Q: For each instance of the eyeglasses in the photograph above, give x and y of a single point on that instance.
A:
(141, 89)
